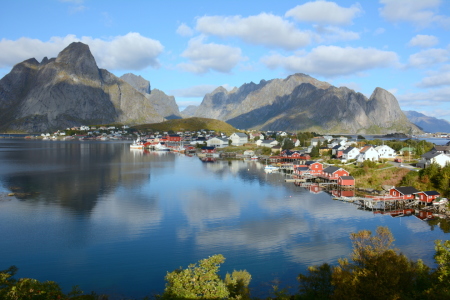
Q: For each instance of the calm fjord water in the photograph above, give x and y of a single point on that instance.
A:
(111, 220)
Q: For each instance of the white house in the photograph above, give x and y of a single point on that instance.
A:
(238, 139)
(350, 153)
(267, 143)
(385, 151)
(434, 157)
(217, 142)
(368, 153)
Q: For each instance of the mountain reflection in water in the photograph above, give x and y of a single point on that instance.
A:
(111, 220)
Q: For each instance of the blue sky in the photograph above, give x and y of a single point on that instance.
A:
(188, 48)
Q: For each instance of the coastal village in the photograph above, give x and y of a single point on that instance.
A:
(319, 163)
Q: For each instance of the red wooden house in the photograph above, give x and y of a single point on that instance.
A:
(208, 149)
(301, 170)
(334, 173)
(346, 181)
(428, 196)
(315, 168)
(403, 192)
(173, 138)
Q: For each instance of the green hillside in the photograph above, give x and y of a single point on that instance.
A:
(189, 124)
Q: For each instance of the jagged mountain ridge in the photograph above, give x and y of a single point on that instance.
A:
(165, 105)
(427, 123)
(301, 102)
(66, 91)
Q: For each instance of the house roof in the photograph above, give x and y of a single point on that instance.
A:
(365, 149)
(241, 134)
(302, 168)
(406, 190)
(310, 162)
(331, 169)
(348, 150)
(347, 177)
(431, 193)
(431, 154)
(441, 148)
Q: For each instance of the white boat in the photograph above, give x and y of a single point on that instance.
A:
(270, 169)
(137, 144)
(161, 147)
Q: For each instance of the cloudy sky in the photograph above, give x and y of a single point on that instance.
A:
(188, 48)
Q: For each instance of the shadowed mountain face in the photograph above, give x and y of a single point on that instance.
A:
(68, 91)
(428, 124)
(301, 102)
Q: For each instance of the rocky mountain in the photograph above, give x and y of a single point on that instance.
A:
(68, 91)
(428, 124)
(139, 83)
(301, 102)
(165, 105)
(189, 111)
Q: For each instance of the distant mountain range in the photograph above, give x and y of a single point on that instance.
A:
(428, 124)
(70, 90)
(301, 102)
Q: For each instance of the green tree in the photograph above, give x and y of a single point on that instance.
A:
(287, 143)
(198, 281)
(377, 271)
(317, 284)
(441, 275)
(237, 284)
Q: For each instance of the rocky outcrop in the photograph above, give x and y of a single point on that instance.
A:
(68, 91)
(137, 82)
(165, 105)
(189, 111)
(301, 102)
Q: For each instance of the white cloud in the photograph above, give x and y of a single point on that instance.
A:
(194, 91)
(129, 52)
(421, 13)
(333, 34)
(428, 98)
(423, 41)
(331, 61)
(428, 58)
(206, 57)
(264, 29)
(185, 30)
(324, 12)
(379, 31)
(441, 78)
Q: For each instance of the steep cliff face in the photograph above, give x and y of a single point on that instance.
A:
(301, 102)
(68, 91)
(165, 105)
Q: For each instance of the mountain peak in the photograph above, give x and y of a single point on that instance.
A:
(79, 60)
(138, 82)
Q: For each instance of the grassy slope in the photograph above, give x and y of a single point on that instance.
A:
(189, 124)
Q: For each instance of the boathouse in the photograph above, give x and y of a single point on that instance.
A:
(428, 196)
(208, 150)
(403, 192)
(346, 181)
(333, 173)
(173, 138)
(302, 170)
(316, 168)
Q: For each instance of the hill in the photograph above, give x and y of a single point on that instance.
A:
(189, 124)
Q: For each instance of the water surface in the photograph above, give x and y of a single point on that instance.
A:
(111, 220)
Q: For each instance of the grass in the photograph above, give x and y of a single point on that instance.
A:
(189, 124)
